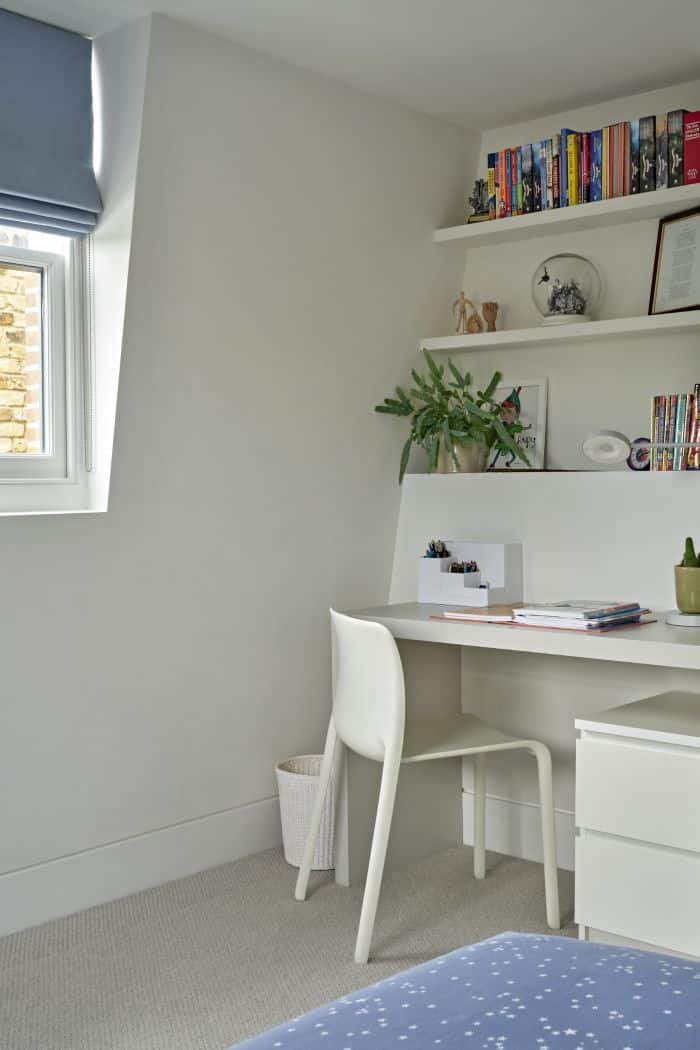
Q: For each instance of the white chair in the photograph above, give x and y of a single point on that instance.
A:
(368, 716)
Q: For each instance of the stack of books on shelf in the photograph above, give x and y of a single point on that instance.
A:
(581, 615)
(675, 420)
(573, 167)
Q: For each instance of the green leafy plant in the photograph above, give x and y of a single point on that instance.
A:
(445, 412)
(690, 559)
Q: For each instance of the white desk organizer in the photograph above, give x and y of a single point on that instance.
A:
(499, 580)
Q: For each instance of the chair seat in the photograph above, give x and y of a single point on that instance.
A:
(451, 737)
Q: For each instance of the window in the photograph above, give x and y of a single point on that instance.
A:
(49, 205)
(41, 311)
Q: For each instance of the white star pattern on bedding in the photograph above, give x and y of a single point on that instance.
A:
(513, 992)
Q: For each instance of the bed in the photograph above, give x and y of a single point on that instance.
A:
(513, 992)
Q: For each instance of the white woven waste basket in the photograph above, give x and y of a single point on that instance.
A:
(297, 779)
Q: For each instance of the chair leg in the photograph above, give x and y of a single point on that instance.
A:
(551, 882)
(315, 825)
(375, 870)
(480, 816)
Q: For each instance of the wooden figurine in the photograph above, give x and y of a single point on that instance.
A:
(471, 324)
(474, 322)
(490, 312)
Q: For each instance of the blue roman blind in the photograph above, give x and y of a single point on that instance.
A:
(47, 180)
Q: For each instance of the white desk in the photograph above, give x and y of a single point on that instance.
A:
(428, 814)
(656, 643)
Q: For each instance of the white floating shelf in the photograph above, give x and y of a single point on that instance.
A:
(654, 205)
(656, 324)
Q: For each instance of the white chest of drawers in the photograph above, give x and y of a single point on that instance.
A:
(638, 823)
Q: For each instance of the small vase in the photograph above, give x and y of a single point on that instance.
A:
(687, 589)
(472, 459)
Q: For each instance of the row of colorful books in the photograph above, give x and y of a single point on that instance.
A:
(675, 419)
(574, 167)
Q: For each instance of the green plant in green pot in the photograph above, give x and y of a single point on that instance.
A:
(456, 428)
(688, 580)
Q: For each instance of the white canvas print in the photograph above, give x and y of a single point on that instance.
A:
(526, 401)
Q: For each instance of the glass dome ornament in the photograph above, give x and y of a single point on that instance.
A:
(566, 288)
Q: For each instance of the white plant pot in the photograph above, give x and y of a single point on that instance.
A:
(472, 458)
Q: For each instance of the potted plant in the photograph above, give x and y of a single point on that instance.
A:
(688, 580)
(456, 428)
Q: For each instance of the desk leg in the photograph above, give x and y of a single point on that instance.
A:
(428, 810)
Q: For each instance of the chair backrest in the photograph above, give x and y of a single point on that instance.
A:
(369, 705)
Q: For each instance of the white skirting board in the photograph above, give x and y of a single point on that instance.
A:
(588, 933)
(513, 828)
(68, 884)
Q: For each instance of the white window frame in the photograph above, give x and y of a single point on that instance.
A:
(30, 482)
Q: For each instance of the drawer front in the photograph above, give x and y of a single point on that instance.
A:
(643, 892)
(640, 791)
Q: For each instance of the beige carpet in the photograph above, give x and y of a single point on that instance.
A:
(201, 963)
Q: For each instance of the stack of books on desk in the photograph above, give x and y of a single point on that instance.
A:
(580, 615)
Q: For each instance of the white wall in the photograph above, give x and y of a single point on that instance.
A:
(120, 59)
(584, 535)
(162, 656)
(592, 384)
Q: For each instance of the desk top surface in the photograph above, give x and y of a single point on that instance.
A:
(656, 644)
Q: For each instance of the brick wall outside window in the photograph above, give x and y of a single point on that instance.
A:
(20, 360)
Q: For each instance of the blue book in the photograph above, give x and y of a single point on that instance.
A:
(509, 184)
(491, 183)
(543, 173)
(596, 165)
(634, 156)
(536, 183)
(526, 153)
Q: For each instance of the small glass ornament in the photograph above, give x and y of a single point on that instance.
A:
(566, 288)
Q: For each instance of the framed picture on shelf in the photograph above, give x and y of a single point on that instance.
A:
(675, 283)
(525, 400)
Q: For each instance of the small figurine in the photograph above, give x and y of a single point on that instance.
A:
(479, 201)
(437, 549)
(472, 324)
(461, 302)
(566, 298)
(490, 312)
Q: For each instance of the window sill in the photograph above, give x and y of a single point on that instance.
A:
(58, 496)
